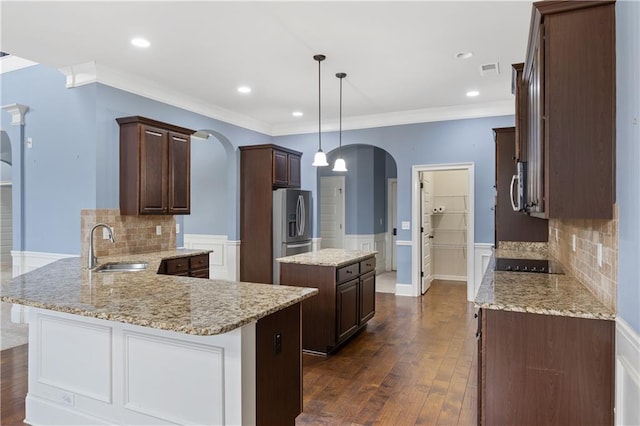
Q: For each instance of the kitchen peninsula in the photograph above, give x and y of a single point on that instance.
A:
(346, 281)
(144, 348)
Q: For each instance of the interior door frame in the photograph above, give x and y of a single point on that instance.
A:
(391, 205)
(342, 214)
(416, 262)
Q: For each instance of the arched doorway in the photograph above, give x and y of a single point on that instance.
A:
(355, 208)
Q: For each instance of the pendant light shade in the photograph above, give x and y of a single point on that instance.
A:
(340, 165)
(320, 159)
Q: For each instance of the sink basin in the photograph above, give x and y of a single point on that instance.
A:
(122, 267)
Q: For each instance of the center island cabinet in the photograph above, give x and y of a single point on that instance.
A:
(145, 348)
(346, 300)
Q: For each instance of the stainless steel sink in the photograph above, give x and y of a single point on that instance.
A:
(122, 267)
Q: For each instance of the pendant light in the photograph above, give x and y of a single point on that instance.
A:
(320, 159)
(340, 165)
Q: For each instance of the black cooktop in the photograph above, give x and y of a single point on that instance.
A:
(527, 265)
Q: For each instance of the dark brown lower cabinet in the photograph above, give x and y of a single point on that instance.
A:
(196, 266)
(346, 300)
(279, 367)
(536, 369)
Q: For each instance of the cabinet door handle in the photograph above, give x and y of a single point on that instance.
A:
(149, 132)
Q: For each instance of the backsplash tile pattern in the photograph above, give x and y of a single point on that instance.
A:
(602, 281)
(133, 234)
(538, 247)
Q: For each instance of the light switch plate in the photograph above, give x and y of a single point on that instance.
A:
(177, 228)
(406, 225)
(158, 230)
(105, 233)
(573, 242)
(599, 254)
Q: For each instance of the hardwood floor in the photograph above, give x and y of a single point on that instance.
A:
(13, 385)
(414, 363)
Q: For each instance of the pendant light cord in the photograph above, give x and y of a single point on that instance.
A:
(319, 108)
(340, 134)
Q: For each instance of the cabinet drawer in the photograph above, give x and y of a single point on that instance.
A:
(200, 273)
(178, 265)
(198, 262)
(367, 265)
(348, 272)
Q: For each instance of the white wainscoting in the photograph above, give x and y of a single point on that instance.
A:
(627, 374)
(482, 253)
(224, 260)
(27, 261)
(85, 370)
(369, 242)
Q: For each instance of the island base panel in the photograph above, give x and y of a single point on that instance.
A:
(279, 367)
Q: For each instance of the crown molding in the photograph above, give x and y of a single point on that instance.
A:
(152, 90)
(81, 74)
(426, 115)
(13, 63)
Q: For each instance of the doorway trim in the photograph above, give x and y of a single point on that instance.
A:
(341, 180)
(391, 206)
(415, 219)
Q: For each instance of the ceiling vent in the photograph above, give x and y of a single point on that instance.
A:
(490, 69)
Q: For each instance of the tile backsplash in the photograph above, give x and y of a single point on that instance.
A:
(582, 263)
(133, 234)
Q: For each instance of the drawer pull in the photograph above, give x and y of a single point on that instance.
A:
(368, 264)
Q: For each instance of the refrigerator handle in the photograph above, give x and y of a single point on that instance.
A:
(303, 215)
(298, 217)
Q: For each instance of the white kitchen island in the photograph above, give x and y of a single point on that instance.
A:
(141, 348)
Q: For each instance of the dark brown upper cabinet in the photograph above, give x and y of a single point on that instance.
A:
(286, 169)
(155, 167)
(569, 83)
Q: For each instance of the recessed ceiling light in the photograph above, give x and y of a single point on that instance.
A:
(140, 42)
(244, 89)
(464, 55)
(472, 93)
(297, 113)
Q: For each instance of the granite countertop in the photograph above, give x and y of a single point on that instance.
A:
(328, 257)
(551, 294)
(182, 304)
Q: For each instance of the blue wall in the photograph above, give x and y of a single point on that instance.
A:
(74, 162)
(368, 168)
(455, 141)
(628, 159)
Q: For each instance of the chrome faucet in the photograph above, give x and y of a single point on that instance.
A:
(92, 260)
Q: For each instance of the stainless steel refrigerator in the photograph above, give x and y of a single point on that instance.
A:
(291, 225)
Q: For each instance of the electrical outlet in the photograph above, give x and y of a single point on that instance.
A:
(573, 242)
(29, 143)
(406, 225)
(557, 235)
(105, 233)
(158, 230)
(599, 254)
(177, 228)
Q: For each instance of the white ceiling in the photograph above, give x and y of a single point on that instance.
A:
(399, 56)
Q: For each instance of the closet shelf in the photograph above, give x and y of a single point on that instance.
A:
(450, 246)
(446, 212)
(450, 195)
(450, 229)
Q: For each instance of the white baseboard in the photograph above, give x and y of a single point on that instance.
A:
(627, 374)
(369, 242)
(482, 255)
(404, 290)
(450, 277)
(27, 261)
(223, 260)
